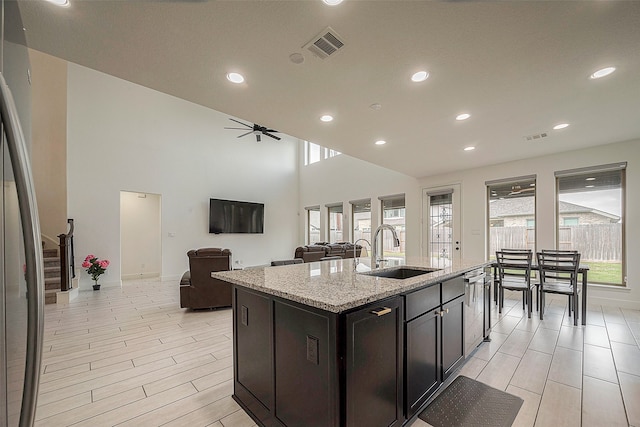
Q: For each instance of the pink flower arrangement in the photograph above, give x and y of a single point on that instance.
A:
(95, 267)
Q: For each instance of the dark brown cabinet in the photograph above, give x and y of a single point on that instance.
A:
(374, 365)
(253, 351)
(434, 340)
(452, 321)
(423, 373)
(296, 365)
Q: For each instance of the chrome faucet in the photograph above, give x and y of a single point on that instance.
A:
(355, 246)
(374, 247)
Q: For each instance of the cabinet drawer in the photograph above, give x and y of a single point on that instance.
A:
(419, 302)
(452, 288)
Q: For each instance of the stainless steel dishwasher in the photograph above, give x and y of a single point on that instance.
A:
(474, 310)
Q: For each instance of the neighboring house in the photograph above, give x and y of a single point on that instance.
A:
(520, 212)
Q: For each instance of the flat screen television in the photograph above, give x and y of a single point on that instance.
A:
(231, 216)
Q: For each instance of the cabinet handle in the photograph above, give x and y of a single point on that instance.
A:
(382, 311)
(446, 310)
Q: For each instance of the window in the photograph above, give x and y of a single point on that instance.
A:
(313, 225)
(335, 223)
(313, 153)
(441, 228)
(328, 153)
(361, 219)
(590, 211)
(570, 221)
(393, 213)
(512, 214)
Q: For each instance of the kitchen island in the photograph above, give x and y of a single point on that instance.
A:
(330, 344)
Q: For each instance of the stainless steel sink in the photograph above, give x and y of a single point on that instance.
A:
(400, 272)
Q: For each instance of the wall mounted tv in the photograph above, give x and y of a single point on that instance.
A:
(229, 216)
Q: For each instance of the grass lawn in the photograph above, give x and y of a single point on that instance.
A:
(604, 272)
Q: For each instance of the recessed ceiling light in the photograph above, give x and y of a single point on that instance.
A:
(590, 179)
(470, 148)
(326, 118)
(235, 77)
(602, 72)
(296, 58)
(420, 76)
(381, 142)
(589, 186)
(332, 2)
(63, 3)
(463, 116)
(375, 106)
(561, 126)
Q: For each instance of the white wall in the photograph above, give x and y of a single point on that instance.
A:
(344, 178)
(122, 136)
(474, 206)
(49, 132)
(140, 238)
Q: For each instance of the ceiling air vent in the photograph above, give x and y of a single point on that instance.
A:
(325, 44)
(536, 137)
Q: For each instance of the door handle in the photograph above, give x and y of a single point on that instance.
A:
(33, 253)
(382, 311)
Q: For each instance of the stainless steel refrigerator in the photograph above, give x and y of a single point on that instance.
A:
(21, 271)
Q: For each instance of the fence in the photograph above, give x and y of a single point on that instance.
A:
(595, 242)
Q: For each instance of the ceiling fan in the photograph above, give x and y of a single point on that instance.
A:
(517, 189)
(256, 129)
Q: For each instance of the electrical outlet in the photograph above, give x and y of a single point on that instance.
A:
(244, 315)
(312, 349)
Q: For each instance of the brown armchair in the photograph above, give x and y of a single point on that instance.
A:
(197, 288)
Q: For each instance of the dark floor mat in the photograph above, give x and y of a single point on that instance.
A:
(467, 402)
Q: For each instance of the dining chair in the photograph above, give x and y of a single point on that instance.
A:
(558, 270)
(514, 274)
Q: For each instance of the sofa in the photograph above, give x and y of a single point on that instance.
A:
(319, 250)
(197, 288)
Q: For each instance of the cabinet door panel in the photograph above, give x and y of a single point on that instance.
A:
(304, 367)
(374, 359)
(253, 341)
(452, 336)
(422, 375)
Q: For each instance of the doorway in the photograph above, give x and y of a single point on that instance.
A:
(140, 235)
(441, 211)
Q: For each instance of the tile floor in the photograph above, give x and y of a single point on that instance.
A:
(133, 357)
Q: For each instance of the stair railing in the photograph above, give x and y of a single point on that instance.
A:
(67, 262)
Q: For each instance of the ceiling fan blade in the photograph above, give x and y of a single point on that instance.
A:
(237, 128)
(244, 124)
(258, 137)
(277, 138)
(244, 134)
(271, 130)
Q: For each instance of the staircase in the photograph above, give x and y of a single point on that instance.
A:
(51, 275)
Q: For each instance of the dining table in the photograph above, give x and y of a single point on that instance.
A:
(583, 271)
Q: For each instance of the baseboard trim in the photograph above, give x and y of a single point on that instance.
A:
(613, 302)
(65, 297)
(140, 276)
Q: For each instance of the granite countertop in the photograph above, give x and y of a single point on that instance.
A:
(334, 285)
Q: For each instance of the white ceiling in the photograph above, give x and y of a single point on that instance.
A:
(518, 67)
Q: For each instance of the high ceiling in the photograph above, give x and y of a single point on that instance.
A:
(518, 68)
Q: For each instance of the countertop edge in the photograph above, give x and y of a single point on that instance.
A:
(407, 286)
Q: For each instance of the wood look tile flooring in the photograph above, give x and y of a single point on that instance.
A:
(133, 357)
(567, 375)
